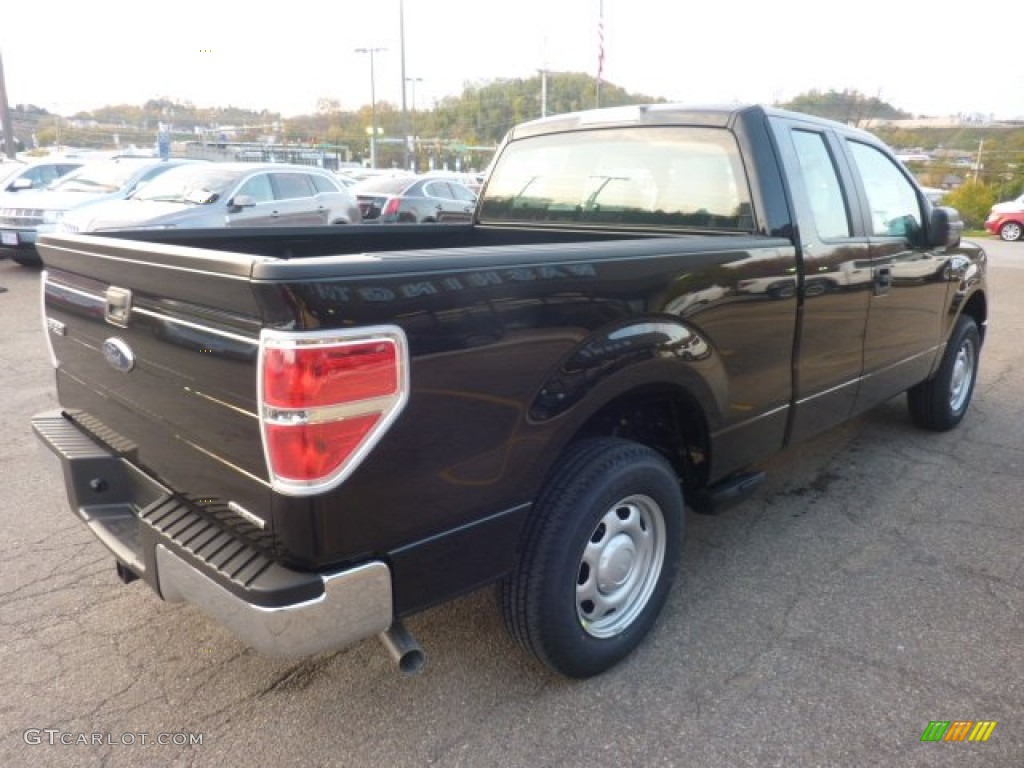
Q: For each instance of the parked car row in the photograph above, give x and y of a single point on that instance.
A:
(225, 194)
(119, 193)
(26, 215)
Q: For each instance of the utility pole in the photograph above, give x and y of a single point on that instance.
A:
(5, 116)
(977, 163)
(600, 53)
(544, 93)
(411, 140)
(544, 79)
(405, 114)
(373, 105)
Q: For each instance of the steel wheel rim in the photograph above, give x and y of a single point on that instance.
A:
(962, 377)
(620, 566)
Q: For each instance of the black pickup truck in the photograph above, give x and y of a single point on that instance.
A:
(312, 434)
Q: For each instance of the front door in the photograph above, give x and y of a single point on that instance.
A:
(264, 210)
(909, 280)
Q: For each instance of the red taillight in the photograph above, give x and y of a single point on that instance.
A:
(324, 375)
(315, 450)
(326, 398)
(391, 207)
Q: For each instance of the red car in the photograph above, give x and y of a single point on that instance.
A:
(1007, 219)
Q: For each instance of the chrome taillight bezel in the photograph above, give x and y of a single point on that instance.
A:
(389, 407)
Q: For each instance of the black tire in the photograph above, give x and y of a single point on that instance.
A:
(940, 402)
(27, 260)
(784, 289)
(598, 559)
(816, 288)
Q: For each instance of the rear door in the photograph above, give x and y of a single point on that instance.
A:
(910, 281)
(296, 200)
(465, 203)
(835, 285)
(446, 206)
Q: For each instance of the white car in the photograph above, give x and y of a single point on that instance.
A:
(225, 195)
(26, 215)
(18, 176)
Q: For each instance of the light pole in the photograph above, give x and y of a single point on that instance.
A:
(414, 80)
(5, 119)
(405, 113)
(544, 92)
(411, 138)
(373, 105)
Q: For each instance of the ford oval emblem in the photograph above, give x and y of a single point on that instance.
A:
(118, 354)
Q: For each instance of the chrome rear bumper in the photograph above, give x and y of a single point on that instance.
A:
(162, 538)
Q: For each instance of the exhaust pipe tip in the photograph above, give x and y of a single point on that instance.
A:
(124, 573)
(403, 649)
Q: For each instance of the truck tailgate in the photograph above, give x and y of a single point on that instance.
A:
(147, 365)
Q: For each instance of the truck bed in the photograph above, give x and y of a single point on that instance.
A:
(475, 301)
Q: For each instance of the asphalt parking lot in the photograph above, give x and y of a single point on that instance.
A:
(873, 585)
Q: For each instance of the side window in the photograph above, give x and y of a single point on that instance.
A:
(289, 186)
(895, 211)
(463, 193)
(148, 176)
(322, 184)
(437, 189)
(821, 181)
(41, 175)
(258, 187)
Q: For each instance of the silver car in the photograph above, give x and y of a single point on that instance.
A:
(414, 199)
(226, 195)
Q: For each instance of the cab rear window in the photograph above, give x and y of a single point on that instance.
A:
(675, 176)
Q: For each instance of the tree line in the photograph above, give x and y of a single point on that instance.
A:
(473, 122)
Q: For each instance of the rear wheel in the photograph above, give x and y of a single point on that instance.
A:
(599, 557)
(1011, 231)
(940, 402)
(27, 259)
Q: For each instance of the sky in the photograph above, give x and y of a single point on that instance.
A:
(75, 55)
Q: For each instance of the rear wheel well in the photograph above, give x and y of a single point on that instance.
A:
(977, 308)
(665, 418)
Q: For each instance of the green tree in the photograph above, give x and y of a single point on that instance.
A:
(973, 200)
(851, 107)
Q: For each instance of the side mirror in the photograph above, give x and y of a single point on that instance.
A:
(19, 184)
(944, 227)
(243, 201)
